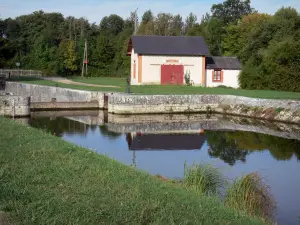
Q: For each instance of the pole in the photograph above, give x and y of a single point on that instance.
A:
(86, 58)
(83, 62)
(135, 21)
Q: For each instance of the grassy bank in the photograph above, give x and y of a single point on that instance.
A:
(45, 180)
(158, 89)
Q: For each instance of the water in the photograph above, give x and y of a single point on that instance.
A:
(162, 144)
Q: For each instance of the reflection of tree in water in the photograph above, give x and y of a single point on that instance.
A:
(232, 146)
(59, 126)
(280, 148)
(224, 148)
(105, 132)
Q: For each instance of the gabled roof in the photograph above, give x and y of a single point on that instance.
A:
(220, 62)
(168, 45)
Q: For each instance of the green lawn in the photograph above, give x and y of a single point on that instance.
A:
(117, 81)
(45, 180)
(32, 80)
(158, 89)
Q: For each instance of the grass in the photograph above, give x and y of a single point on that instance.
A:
(33, 80)
(204, 178)
(171, 89)
(163, 90)
(251, 194)
(45, 180)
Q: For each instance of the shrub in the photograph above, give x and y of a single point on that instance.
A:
(250, 194)
(224, 86)
(187, 79)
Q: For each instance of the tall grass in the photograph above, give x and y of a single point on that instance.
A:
(250, 194)
(204, 178)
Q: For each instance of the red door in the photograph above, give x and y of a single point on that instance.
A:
(172, 74)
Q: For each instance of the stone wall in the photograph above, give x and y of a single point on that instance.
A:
(278, 110)
(41, 93)
(14, 105)
(177, 123)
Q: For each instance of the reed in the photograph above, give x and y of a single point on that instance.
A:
(250, 194)
(204, 178)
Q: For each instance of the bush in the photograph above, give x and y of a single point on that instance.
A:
(187, 79)
(250, 78)
(224, 86)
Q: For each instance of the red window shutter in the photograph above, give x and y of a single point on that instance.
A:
(213, 75)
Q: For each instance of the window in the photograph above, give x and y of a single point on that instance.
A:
(217, 76)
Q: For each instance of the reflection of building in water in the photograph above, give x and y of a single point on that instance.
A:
(163, 141)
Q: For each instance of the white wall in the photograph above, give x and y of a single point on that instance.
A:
(134, 56)
(151, 68)
(230, 78)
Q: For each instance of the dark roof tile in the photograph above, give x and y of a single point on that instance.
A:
(220, 62)
(170, 45)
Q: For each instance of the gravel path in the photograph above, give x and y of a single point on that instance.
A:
(67, 81)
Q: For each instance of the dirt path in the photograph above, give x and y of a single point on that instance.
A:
(67, 81)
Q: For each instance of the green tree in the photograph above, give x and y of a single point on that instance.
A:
(231, 10)
(112, 24)
(190, 22)
(162, 24)
(67, 49)
(215, 34)
(177, 24)
(271, 52)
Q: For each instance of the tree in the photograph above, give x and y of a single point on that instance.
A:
(231, 10)
(239, 35)
(190, 22)
(163, 24)
(67, 48)
(271, 53)
(147, 17)
(177, 24)
(102, 55)
(147, 26)
(112, 24)
(215, 34)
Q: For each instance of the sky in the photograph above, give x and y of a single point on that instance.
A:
(95, 10)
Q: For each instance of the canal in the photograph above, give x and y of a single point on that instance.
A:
(162, 144)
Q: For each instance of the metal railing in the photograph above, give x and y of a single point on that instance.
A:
(16, 72)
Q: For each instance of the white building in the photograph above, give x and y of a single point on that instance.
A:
(222, 71)
(167, 59)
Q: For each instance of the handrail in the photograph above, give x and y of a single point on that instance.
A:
(16, 72)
